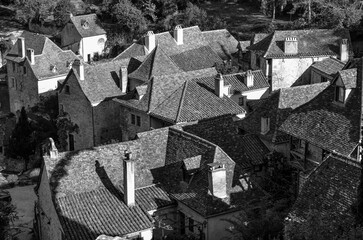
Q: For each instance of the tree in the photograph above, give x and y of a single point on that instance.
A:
(64, 127)
(7, 215)
(21, 144)
(62, 10)
(34, 10)
(128, 16)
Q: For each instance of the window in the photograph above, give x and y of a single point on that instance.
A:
(133, 119)
(182, 222)
(241, 101)
(13, 66)
(138, 121)
(24, 70)
(265, 125)
(258, 61)
(191, 225)
(67, 90)
(13, 83)
(323, 79)
(339, 94)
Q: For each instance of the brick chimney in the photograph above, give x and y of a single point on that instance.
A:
(30, 55)
(291, 45)
(21, 47)
(217, 179)
(249, 78)
(178, 35)
(219, 85)
(150, 41)
(79, 67)
(123, 79)
(129, 179)
(344, 51)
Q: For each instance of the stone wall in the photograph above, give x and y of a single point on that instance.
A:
(80, 111)
(129, 130)
(23, 91)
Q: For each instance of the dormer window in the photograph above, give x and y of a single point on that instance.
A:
(85, 24)
(265, 125)
(339, 94)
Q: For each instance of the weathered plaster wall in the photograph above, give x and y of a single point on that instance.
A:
(49, 84)
(92, 45)
(128, 129)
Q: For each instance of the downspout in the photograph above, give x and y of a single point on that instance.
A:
(93, 127)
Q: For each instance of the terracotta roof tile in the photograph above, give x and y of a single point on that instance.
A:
(349, 77)
(328, 125)
(312, 42)
(331, 190)
(329, 66)
(99, 212)
(153, 197)
(278, 107)
(222, 42)
(87, 25)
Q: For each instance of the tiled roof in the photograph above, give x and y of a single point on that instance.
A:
(193, 102)
(87, 215)
(245, 150)
(331, 190)
(244, 44)
(222, 42)
(329, 66)
(161, 87)
(258, 37)
(50, 60)
(237, 81)
(278, 107)
(153, 197)
(87, 25)
(349, 77)
(101, 80)
(312, 42)
(156, 63)
(326, 124)
(159, 156)
(195, 59)
(133, 50)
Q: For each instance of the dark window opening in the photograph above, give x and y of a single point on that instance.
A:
(182, 223)
(133, 119)
(241, 101)
(67, 89)
(71, 142)
(339, 94)
(323, 79)
(138, 121)
(13, 67)
(24, 70)
(191, 225)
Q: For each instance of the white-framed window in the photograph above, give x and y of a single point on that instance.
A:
(339, 94)
(265, 125)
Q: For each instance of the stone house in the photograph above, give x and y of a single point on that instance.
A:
(240, 87)
(330, 123)
(84, 35)
(173, 99)
(267, 115)
(285, 55)
(325, 70)
(330, 191)
(34, 65)
(166, 183)
(86, 96)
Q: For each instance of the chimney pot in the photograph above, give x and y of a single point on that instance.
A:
(150, 41)
(30, 55)
(344, 50)
(79, 67)
(123, 79)
(219, 85)
(291, 45)
(249, 79)
(129, 179)
(217, 178)
(178, 35)
(21, 47)
(53, 151)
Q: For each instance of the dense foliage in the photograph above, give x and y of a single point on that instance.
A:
(7, 215)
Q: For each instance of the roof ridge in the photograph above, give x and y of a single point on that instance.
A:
(185, 85)
(270, 43)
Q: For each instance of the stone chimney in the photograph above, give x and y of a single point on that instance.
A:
(79, 67)
(21, 47)
(217, 179)
(291, 45)
(344, 50)
(178, 35)
(219, 85)
(123, 79)
(53, 151)
(30, 55)
(249, 78)
(150, 41)
(129, 179)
